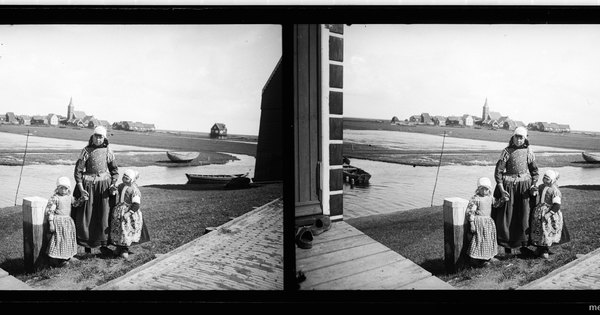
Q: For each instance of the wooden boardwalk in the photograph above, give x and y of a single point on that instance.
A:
(8, 282)
(580, 274)
(243, 254)
(344, 258)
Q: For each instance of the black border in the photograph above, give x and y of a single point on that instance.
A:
(437, 300)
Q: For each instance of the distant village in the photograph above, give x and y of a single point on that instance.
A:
(488, 119)
(80, 119)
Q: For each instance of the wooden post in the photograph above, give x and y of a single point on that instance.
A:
(35, 223)
(454, 233)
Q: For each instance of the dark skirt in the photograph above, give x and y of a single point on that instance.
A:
(512, 219)
(91, 218)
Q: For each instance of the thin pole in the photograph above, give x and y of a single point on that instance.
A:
(22, 165)
(438, 170)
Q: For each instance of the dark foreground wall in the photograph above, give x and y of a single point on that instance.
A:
(269, 152)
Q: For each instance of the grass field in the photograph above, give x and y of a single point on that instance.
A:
(174, 214)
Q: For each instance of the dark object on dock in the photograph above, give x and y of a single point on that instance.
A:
(238, 182)
(182, 157)
(355, 175)
(591, 157)
(209, 229)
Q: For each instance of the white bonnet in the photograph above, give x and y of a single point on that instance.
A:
(485, 182)
(63, 181)
(133, 174)
(553, 175)
(522, 131)
(100, 131)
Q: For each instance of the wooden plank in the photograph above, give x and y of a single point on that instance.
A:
(429, 283)
(338, 231)
(385, 277)
(328, 247)
(565, 276)
(349, 268)
(339, 256)
(12, 283)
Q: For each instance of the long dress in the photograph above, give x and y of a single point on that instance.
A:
(127, 227)
(63, 242)
(97, 170)
(483, 244)
(517, 171)
(547, 226)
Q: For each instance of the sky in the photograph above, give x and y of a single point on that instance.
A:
(529, 72)
(178, 77)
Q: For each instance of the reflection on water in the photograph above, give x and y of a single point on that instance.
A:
(396, 187)
(40, 180)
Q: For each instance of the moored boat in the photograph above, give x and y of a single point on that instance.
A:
(355, 175)
(591, 157)
(211, 179)
(182, 157)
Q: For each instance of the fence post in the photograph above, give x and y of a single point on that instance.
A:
(35, 224)
(455, 238)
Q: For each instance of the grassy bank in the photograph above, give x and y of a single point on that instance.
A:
(419, 236)
(179, 141)
(174, 214)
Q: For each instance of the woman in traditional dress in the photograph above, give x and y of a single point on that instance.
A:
(516, 175)
(96, 174)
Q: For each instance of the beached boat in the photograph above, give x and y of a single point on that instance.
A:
(212, 179)
(355, 175)
(591, 157)
(182, 157)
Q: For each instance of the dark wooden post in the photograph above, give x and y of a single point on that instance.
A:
(34, 226)
(454, 233)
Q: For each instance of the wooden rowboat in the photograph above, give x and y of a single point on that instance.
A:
(182, 157)
(355, 175)
(211, 179)
(591, 157)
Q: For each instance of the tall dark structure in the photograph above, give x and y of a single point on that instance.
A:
(70, 109)
(269, 151)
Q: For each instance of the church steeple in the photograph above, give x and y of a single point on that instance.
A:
(486, 111)
(70, 109)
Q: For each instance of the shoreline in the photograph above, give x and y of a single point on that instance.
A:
(456, 157)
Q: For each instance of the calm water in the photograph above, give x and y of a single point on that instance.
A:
(40, 180)
(396, 187)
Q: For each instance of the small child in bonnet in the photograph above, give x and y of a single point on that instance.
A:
(127, 225)
(63, 242)
(483, 246)
(547, 225)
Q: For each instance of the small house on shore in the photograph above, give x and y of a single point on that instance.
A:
(39, 120)
(52, 119)
(218, 130)
(11, 118)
